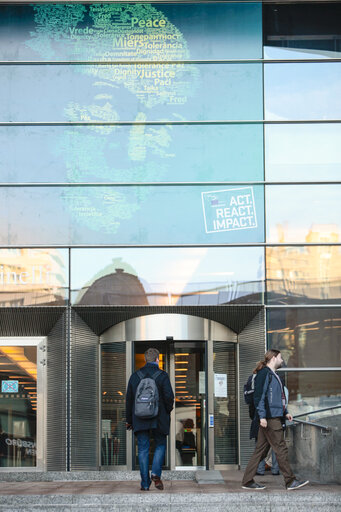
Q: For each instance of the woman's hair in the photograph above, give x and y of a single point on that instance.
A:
(267, 358)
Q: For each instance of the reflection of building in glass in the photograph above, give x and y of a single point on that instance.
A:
(119, 288)
(184, 290)
(307, 272)
(32, 276)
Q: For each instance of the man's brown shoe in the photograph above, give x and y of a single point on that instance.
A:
(158, 483)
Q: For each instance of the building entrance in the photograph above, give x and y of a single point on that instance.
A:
(22, 378)
(185, 362)
(200, 357)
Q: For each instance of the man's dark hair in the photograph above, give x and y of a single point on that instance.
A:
(151, 355)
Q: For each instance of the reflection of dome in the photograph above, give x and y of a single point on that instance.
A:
(119, 288)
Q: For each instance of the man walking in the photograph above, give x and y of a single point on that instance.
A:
(270, 403)
(148, 408)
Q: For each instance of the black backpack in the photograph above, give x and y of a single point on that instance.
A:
(249, 391)
(147, 396)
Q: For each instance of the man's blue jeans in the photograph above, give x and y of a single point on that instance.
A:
(143, 444)
(274, 467)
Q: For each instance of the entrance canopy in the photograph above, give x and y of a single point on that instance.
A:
(100, 318)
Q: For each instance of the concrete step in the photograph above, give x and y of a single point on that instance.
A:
(176, 502)
(96, 495)
(65, 476)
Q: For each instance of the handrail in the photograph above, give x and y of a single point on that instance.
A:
(323, 427)
(318, 410)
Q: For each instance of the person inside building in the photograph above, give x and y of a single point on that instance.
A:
(156, 426)
(271, 412)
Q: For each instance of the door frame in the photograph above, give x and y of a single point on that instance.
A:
(171, 444)
(41, 343)
(162, 328)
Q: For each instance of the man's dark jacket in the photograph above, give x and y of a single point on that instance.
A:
(166, 400)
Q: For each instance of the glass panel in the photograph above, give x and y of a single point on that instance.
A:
(34, 277)
(138, 92)
(303, 213)
(289, 33)
(130, 32)
(172, 276)
(190, 403)
(113, 371)
(18, 406)
(306, 337)
(131, 153)
(225, 407)
(137, 215)
(303, 152)
(139, 361)
(304, 275)
(302, 91)
(310, 391)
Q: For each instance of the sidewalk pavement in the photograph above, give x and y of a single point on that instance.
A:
(232, 484)
(178, 495)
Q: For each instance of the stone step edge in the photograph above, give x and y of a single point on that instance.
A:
(85, 476)
(164, 498)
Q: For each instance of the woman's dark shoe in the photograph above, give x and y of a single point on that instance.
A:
(158, 483)
(144, 489)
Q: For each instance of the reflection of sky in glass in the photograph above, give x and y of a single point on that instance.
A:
(211, 152)
(302, 91)
(172, 266)
(201, 92)
(303, 152)
(294, 211)
(121, 215)
(275, 52)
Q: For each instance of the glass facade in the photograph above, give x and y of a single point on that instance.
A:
(177, 155)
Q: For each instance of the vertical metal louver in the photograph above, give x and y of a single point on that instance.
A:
(84, 396)
(56, 442)
(225, 409)
(113, 438)
(252, 343)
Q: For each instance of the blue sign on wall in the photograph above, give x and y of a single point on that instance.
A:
(9, 386)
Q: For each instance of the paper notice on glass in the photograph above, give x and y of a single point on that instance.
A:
(106, 428)
(220, 385)
(202, 383)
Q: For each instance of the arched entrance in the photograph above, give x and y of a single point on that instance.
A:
(104, 345)
(200, 356)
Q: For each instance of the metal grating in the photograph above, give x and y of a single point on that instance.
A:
(100, 318)
(56, 442)
(251, 350)
(84, 396)
(29, 321)
(113, 392)
(225, 409)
